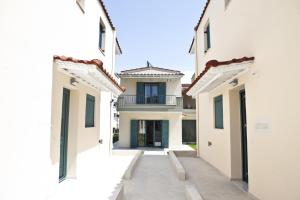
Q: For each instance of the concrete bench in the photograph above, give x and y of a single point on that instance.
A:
(180, 171)
(130, 169)
(191, 193)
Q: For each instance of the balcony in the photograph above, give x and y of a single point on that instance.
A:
(147, 103)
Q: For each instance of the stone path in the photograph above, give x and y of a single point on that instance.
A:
(154, 179)
(98, 182)
(210, 182)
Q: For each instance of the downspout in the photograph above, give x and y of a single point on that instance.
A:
(197, 98)
(111, 95)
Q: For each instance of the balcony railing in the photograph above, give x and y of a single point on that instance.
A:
(125, 101)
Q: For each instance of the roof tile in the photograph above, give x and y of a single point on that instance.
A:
(215, 63)
(96, 62)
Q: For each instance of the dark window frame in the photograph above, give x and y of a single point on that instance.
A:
(88, 122)
(207, 37)
(102, 36)
(219, 123)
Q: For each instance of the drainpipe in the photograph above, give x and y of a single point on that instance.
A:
(111, 95)
(197, 99)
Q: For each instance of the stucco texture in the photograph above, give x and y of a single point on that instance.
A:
(268, 30)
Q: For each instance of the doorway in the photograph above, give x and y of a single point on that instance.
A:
(150, 133)
(151, 93)
(64, 135)
(244, 139)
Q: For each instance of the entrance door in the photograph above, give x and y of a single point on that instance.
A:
(153, 133)
(150, 133)
(64, 135)
(244, 135)
(157, 134)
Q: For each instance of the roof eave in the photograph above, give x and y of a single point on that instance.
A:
(214, 64)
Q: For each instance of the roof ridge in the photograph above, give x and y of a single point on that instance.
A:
(152, 67)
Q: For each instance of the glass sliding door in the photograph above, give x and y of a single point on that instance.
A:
(150, 133)
(151, 93)
(157, 133)
(142, 133)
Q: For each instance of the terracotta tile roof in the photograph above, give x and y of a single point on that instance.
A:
(215, 63)
(184, 86)
(202, 15)
(107, 15)
(135, 70)
(96, 62)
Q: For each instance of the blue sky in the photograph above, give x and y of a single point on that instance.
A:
(160, 31)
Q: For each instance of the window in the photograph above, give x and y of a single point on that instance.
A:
(101, 36)
(90, 111)
(218, 103)
(151, 93)
(207, 42)
(80, 3)
(226, 3)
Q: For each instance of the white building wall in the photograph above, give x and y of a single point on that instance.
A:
(268, 30)
(31, 33)
(173, 86)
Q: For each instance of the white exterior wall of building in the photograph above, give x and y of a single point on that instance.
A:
(31, 33)
(173, 86)
(175, 126)
(268, 30)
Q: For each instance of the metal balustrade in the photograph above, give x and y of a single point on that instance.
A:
(140, 100)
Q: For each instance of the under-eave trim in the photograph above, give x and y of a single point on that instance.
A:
(214, 64)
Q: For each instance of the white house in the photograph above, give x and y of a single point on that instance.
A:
(150, 108)
(57, 66)
(246, 90)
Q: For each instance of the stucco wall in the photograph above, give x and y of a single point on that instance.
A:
(173, 86)
(175, 126)
(269, 31)
(31, 33)
(81, 139)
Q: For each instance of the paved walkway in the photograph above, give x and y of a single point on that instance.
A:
(154, 179)
(96, 183)
(210, 182)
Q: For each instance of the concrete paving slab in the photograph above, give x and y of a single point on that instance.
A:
(99, 182)
(154, 178)
(210, 183)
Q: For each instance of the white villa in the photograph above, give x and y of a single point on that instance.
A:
(151, 108)
(247, 93)
(57, 67)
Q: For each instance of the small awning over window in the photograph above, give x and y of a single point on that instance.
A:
(90, 72)
(216, 73)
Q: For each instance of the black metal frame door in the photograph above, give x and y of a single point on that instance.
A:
(244, 135)
(64, 135)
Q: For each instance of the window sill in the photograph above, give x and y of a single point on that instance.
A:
(89, 126)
